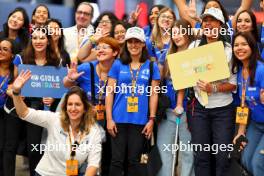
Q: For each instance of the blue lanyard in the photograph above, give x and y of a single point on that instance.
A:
(154, 51)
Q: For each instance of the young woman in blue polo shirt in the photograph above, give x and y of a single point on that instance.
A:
(38, 52)
(7, 51)
(159, 41)
(250, 74)
(167, 128)
(128, 103)
(107, 50)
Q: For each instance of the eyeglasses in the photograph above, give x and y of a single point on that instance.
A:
(83, 13)
(104, 21)
(166, 17)
(104, 47)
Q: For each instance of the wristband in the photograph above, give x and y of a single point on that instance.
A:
(16, 93)
(152, 118)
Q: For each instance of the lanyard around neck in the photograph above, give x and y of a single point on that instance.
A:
(4, 81)
(244, 86)
(134, 79)
(76, 143)
(102, 86)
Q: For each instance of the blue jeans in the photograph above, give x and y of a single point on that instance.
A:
(166, 135)
(252, 159)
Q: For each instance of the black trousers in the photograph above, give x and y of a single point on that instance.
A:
(2, 139)
(213, 129)
(14, 131)
(33, 136)
(129, 142)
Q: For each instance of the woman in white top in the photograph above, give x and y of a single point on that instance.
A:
(212, 123)
(73, 135)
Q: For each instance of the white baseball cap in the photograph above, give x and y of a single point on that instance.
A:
(135, 32)
(214, 12)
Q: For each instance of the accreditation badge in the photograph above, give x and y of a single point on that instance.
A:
(242, 114)
(100, 109)
(132, 104)
(71, 167)
(153, 59)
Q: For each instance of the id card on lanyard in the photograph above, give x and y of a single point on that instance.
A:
(72, 164)
(100, 107)
(242, 112)
(132, 101)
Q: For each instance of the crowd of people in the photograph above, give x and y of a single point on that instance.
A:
(104, 131)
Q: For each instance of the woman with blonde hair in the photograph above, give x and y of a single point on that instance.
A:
(160, 39)
(181, 37)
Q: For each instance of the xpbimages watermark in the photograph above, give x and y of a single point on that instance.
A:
(215, 32)
(57, 31)
(129, 89)
(213, 148)
(82, 148)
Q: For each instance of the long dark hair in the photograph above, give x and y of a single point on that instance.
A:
(253, 59)
(159, 6)
(119, 22)
(23, 32)
(61, 39)
(126, 58)
(254, 23)
(34, 11)
(28, 54)
(14, 51)
(221, 8)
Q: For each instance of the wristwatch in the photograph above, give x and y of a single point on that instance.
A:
(15, 93)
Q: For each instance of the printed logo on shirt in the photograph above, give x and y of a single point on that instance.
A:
(144, 77)
(145, 72)
(123, 72)
(252, 88)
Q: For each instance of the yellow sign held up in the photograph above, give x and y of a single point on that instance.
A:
(207, 63)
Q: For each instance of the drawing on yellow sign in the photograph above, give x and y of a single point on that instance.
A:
(208, 63)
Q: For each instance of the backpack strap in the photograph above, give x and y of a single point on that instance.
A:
(150, 80)
(150, 72)
(92, 83)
